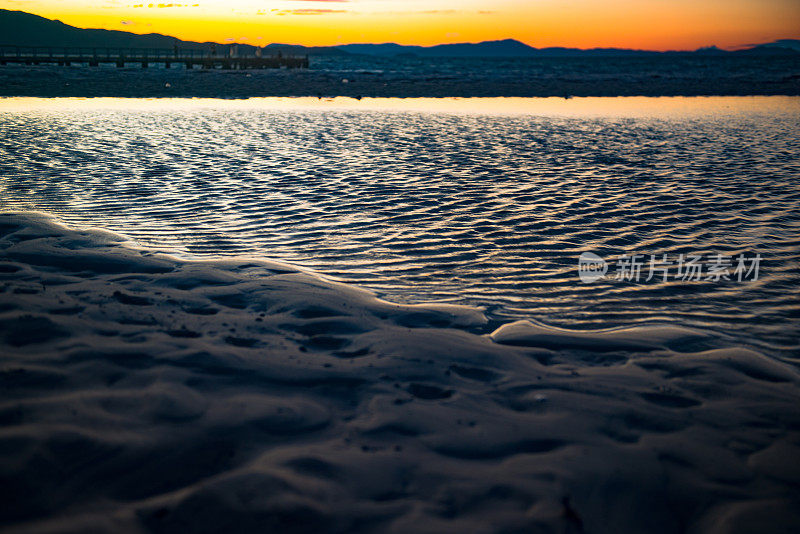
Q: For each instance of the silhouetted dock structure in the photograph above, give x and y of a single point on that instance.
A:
(190, 58)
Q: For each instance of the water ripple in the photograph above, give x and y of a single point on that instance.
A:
(481, 209)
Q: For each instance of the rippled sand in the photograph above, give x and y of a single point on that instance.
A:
(486, 202)
(147, 393)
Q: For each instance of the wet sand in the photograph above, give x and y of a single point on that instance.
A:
(142, 392)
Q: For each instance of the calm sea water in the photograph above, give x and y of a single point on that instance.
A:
(566, 69)
(486, 202)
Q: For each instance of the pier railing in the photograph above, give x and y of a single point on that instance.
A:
(222, 57)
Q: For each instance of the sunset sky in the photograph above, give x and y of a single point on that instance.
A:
(650, 24)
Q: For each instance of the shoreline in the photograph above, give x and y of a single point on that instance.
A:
(147, 392)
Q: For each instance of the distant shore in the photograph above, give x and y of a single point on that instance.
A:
(388, 78)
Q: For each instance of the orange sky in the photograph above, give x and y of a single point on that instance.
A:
(650, 24)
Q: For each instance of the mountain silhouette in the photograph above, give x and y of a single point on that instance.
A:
(18, 28)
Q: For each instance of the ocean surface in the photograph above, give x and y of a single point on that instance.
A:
(486, 202)
(568, 69)
(365, 76)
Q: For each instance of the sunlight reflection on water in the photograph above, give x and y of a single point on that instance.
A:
(633, 106)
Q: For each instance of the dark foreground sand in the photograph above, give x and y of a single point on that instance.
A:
(775, 77)
(144, 393)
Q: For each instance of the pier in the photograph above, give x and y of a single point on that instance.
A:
(144, 57)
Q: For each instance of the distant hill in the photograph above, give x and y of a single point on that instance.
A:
(513, 48)
(791, 44)
(24, 29)
(18, 28)
(505, 48)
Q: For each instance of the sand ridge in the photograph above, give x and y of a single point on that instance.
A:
(147, 393)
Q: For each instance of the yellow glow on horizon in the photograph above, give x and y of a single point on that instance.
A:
(615, 106)
(648, 24)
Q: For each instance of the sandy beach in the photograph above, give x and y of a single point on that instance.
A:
(142, 392)
(397, 267)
